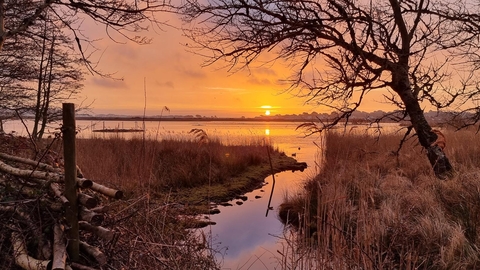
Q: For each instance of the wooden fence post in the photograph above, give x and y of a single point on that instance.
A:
(70, 160)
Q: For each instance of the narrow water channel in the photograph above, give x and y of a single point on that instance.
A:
(244, 236)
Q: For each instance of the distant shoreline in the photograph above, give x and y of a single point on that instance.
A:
(354, 121)
(223, 119)
(191, 119)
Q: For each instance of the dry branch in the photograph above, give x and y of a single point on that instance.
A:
(21, 257)
(16, 210)
(59, 248)
(94, 252)
(117, 194)
(98, 230)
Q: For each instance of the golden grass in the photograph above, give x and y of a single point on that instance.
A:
(138, 165)
(369, 209)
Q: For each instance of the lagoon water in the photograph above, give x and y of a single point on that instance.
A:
(244, 237)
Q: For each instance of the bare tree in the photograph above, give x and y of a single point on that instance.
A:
(22, 31)
(123, 19)
(59, 75)
(342, 50)
(42, 69)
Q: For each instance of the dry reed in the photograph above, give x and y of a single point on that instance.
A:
(139, 165)
(372, 209)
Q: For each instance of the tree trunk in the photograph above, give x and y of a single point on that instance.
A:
(47, 91)
(38, 103)
(3, 32)
(427, 138)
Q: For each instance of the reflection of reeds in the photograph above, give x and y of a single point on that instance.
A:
(366, 211)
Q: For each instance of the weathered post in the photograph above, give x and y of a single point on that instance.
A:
(70, 160)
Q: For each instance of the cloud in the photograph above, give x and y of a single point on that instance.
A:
(257, 81)
(109, 83)
(194, 73)
(229, 89)
(167, 84)
(265, 71)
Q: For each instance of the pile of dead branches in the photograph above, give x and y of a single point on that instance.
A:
(33, 208)
(114, 234)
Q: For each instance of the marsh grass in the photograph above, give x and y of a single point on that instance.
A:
(138, 165)
(371, 209)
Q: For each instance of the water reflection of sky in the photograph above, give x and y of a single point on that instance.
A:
(247, 234)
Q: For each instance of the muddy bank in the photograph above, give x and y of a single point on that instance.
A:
(198, 199)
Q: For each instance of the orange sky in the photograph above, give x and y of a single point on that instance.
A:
(175, 78)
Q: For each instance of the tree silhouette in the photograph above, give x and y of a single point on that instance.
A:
(125, 19)
(340, 51)
(28, 27)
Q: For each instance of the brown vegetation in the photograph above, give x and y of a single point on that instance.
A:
(139, 165)
(372, 209)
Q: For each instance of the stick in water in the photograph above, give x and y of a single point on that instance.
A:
(273, 176)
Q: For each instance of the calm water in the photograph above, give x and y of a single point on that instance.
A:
(244, 236)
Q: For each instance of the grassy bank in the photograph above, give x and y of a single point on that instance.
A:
(189, 170)
(371, 209)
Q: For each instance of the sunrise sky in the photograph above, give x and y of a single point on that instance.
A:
(174, 78)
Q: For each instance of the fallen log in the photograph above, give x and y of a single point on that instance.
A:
(90, 216)
(98, 230)
(56, 190)
(84, 183)
(34, 176)
(59, 248)
(101, 209)
(37, 164)
(117, 194)
(78, 266)
(87, 200)
(94, 252)
(41, 177)
(21, 257)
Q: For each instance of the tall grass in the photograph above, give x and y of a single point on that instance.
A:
(371, 209)
(139, 165)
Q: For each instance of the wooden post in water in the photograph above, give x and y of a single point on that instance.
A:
(70, 160)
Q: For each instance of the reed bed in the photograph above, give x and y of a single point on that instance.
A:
(372, 209)
(139, 165)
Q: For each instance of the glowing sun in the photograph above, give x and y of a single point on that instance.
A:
(267, 109)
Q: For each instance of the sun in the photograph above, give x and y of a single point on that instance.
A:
(267, 109)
